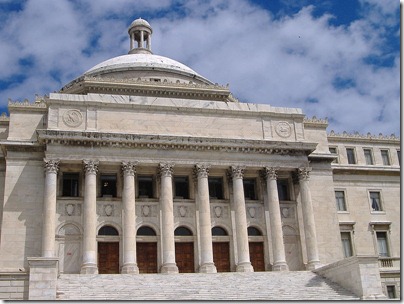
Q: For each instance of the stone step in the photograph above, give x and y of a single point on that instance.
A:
(299, 285)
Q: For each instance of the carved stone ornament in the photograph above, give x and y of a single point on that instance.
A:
(285, 212)
(303, 173)
(146, 211)
(251, 212)
(201, 171)
(183, 211)
(237, 171)
(51, 165)
(108, 209)
(69, 209)
(270, 173)
(73, 118)
(283, 129)
(129, 168)
(166, 169)
(218, 211)
(90, 166)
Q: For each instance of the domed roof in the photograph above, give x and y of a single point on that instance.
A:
(139, 21)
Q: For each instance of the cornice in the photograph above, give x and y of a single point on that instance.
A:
(141, 141)
(39, 104)
(345, 136)
(365, 170)
(315, 122)
(89, 84)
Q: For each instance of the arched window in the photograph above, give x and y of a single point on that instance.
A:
(108, 230)
(252, 231)
(219, 231)
(182, 231)
(145, 230)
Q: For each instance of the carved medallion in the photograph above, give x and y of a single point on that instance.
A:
(108, 209)
(218, 211)
(69, 209)
(251, 212)
(73, 118)
(283, 129)
(183, 211)
(146, 211)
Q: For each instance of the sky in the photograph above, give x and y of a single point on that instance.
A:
(335, 59)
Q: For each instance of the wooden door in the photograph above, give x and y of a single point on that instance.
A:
(146, 254)
(184, 256)
(257, 255)
(221, 256)
(108, 257)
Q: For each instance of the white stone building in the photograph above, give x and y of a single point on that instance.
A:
(152, 168)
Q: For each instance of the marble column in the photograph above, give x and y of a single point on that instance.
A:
(207, 264)
(243, 252)
(167, 206)
(278, 247)
(141, 39)
(89, 265)
(49, 208)
(129, 218)
(149, 42)
(313, 260)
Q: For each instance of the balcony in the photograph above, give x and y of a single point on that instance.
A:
(389, 264)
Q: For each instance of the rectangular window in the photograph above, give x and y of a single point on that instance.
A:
(375, 201)
(382, 244)
(368, 156)
(181, 187)
(250, 188)
(350, 153)
(333, 151)
(108, 185)
(340, 200)
(283, 189)
(145, 186)
(399, 157)
(385, 157)
(70, 184)
(215, 187)
(391, 291)
(346, 244)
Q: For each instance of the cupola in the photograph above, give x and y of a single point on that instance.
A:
(140, 33)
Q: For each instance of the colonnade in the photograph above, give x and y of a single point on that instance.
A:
(201, 172)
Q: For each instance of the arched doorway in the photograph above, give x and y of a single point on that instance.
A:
(146, 250)
(108, 250)
(256, 247)
(184, 249)
(221, 249)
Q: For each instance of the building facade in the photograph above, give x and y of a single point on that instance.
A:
(141, 165)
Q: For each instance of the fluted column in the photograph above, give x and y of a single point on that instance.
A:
(275, 218)
(243, 252)
(90, 218)
(207, 264)
(167, 205)
(49, 208)
(129, 218)
(308, 219)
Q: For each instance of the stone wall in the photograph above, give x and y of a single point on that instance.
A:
(14, 286)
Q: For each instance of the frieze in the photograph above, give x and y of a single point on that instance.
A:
(361, 137)
(316, 121)
(38, 104)
(173, 143)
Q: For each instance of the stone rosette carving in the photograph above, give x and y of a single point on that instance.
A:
(72, 118)
(283, 129)
(51, 165)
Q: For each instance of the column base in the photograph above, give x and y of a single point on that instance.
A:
(89, 269)
(130, 269)
(244, 267)
(208, 268)
(169, 268)
(313, 265)
(280, 266)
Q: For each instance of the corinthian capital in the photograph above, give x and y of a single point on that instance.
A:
(270, 173)
(51, 165)
(166, 169)
(90, 166)
(129, 168)
(303, 173)
(201, 171)
(237, 171)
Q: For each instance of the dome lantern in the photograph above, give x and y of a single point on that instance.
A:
(140, 33)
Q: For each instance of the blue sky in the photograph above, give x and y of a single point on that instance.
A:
(333, 58)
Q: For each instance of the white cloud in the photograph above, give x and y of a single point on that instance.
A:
(284, 62)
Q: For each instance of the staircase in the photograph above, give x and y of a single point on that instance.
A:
(299, 285)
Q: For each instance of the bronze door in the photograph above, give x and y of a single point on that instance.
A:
(108, 257)
(146, 254)
(221, 256)
(257, 255)
(184, 257)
